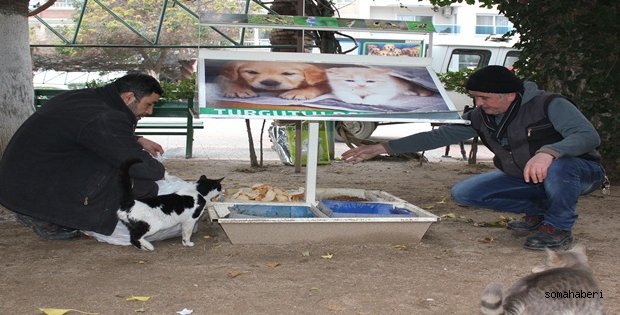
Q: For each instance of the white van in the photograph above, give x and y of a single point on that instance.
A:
(449, 58)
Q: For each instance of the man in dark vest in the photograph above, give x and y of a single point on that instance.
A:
(59, 172)
(544, 148)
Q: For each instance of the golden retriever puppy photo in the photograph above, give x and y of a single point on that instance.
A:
(389, 47)
(296, 81)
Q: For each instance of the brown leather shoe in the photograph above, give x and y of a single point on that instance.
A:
(549, 237)
(527, 223)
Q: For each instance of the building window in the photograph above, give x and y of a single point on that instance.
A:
(492, 24)
(447, 28)
(64, 3)
(59, 4)
(416, 18)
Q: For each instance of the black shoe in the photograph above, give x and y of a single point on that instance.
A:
(549, 237)
(23, 219)
(527, 223)
(53, 232)
(46, 230)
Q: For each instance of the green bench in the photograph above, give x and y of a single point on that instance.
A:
(181, 120)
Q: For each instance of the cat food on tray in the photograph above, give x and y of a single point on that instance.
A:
(347, 198)
(265, 192)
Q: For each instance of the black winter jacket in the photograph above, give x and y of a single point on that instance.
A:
(61, 165)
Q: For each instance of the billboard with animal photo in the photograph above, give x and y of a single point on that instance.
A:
(301, 86)
(392, 48)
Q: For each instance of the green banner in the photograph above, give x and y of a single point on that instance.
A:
(280, 113)
(315, 23)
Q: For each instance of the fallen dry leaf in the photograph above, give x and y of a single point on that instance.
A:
(500, 223)
(234, 274)
(327, 256)
(273, 264)
(334, 308)
(305, 253)
(138, 298)
(58, 311)
(488, 239)
(448, 216)
(400, 247)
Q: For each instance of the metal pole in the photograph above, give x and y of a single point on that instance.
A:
(298, 133)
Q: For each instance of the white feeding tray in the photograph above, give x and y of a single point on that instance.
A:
(382, 219)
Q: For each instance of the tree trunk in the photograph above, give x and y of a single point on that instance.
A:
(151, 66)
(16, 90)
(187, 68)
(253, 160)
(285, 36)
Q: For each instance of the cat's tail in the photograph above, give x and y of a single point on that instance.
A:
(127, 199)
(491, 301)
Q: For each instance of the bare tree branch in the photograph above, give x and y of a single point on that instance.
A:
(42, 8)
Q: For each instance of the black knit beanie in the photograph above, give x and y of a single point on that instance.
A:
(494, 79)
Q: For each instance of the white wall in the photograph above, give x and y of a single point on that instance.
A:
(463, 15)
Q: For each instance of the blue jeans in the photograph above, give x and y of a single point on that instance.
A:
(555, 198)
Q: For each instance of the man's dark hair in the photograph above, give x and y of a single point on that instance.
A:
(140, 84)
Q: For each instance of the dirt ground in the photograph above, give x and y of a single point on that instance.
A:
(445, 273)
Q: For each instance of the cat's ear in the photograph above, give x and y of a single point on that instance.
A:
(553, 258)
(538, 269)
(220, 180)
(202, 177)
(579, 249)
(380, 70)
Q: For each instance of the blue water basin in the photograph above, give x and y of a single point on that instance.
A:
(337, 208)
(270, 211)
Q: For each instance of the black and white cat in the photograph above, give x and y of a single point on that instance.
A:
(548, 289)
(145, 217)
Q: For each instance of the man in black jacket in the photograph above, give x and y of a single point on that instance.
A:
(59, 171)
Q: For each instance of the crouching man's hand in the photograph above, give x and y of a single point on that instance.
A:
(536, 168)
(363, 153)
(151, 147)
